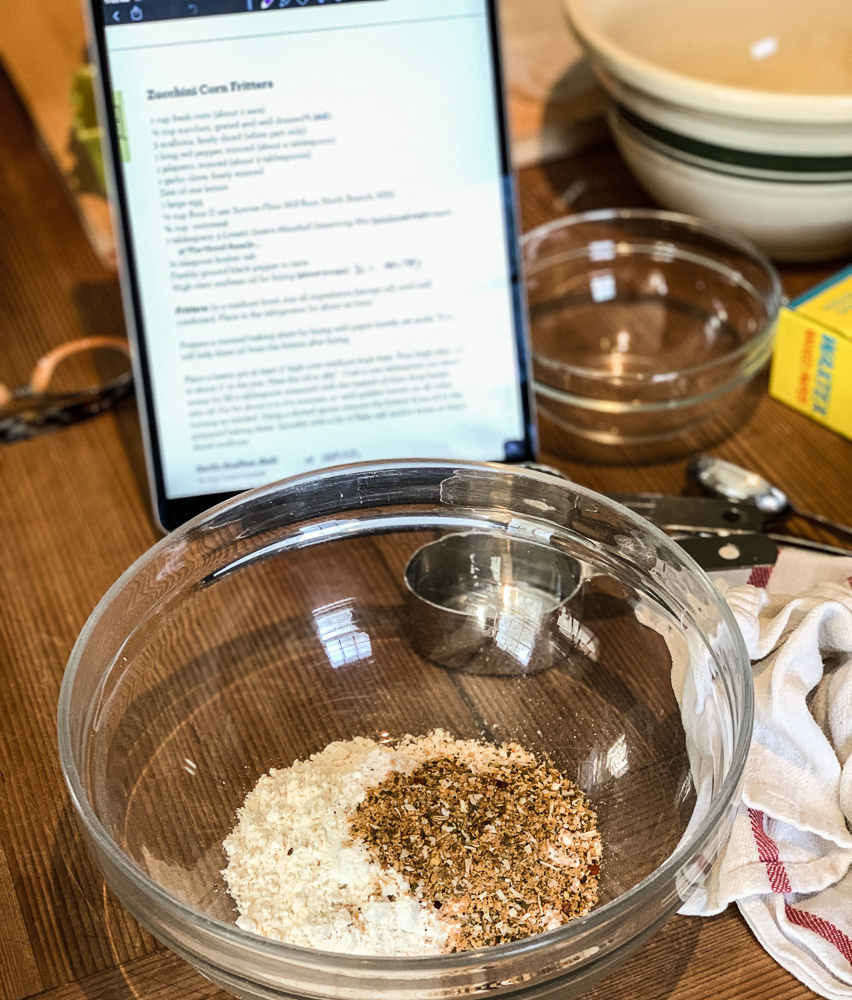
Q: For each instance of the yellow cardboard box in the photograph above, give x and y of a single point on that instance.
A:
(812, 359)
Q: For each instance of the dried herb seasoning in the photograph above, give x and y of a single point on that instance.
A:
(502, 851)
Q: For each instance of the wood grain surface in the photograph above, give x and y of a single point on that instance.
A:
(74, 513)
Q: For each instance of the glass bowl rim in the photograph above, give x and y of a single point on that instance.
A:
(772, 303)
(277, 950)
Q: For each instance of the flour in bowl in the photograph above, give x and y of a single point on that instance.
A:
(428, 845)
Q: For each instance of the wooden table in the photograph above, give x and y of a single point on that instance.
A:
(74, 513)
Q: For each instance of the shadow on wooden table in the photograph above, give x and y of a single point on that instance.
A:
(111, 956)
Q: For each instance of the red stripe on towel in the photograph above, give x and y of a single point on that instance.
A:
(802, 918)
(760, 576)
(767, 852)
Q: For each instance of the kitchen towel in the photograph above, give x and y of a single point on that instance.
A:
(788, 863)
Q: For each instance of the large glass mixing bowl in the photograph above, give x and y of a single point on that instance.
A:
(282, 620)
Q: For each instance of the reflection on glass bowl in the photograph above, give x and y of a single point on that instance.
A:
(648, 328)
(276, 623)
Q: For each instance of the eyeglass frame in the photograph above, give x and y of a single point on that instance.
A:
(31, 408)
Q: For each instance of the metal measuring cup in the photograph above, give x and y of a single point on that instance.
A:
(488, 603)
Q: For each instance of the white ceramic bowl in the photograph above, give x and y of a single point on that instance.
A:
(790, 216)
(738, 113)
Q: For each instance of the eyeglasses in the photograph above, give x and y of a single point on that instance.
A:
(74, 381)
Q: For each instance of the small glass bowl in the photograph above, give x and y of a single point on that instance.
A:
(278, 622)
(648, 329)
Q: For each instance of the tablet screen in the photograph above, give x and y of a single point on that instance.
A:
(318, 235)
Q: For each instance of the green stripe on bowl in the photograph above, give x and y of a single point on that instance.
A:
(781, 162)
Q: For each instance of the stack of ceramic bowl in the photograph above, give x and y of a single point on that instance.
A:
(738, 113)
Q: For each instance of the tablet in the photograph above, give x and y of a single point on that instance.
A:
(315, 211)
